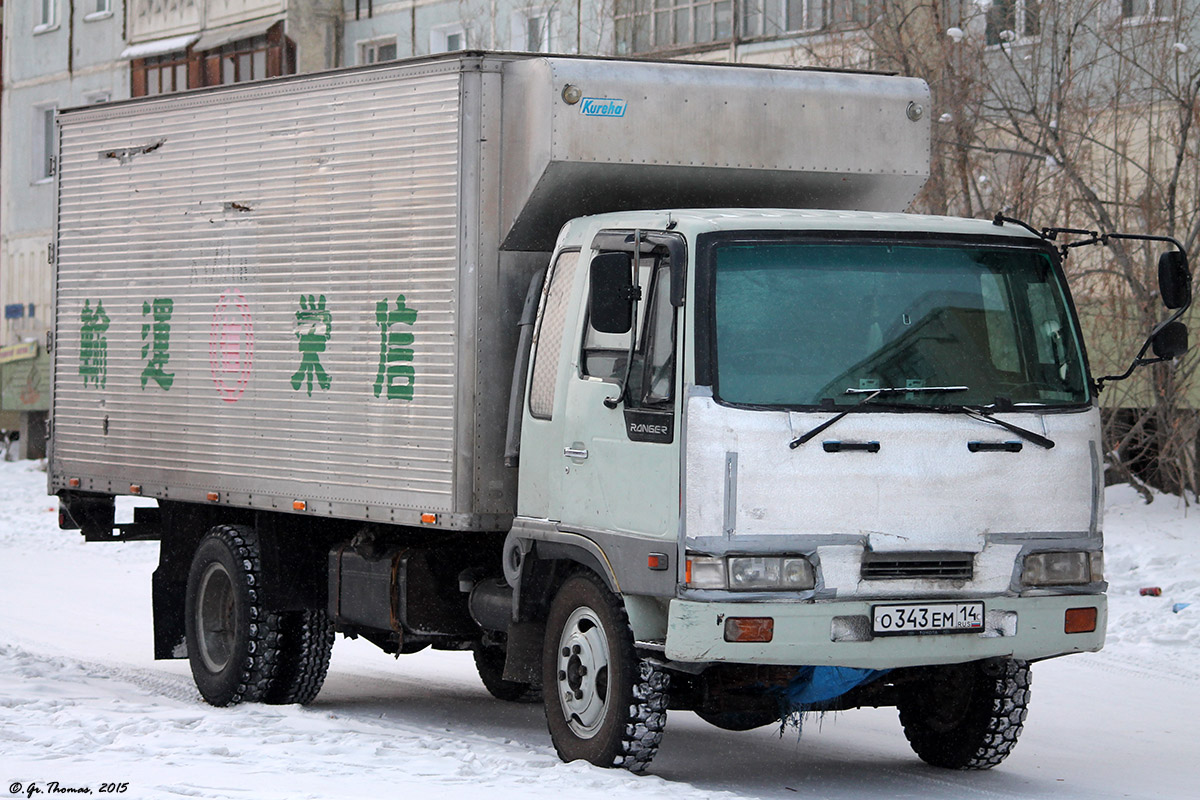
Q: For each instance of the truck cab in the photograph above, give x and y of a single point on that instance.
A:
(846, 440)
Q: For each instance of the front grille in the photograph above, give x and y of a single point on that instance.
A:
(918, 566)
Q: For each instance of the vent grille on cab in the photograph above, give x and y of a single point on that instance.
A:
(918, 566)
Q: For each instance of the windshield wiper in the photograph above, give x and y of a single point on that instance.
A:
(985, 416)
(868, 396)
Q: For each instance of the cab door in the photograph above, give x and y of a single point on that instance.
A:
(620, 458)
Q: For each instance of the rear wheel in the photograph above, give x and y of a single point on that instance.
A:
(489, 661)
(603, 703)
(232, 639)
(305, 644)
(966, 716)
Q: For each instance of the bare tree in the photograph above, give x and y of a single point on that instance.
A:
(1076, 115)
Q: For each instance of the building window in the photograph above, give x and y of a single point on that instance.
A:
(775, 17)
(241, 61)
(1146, 10)
(448, 38)
(102, 96)
(532, 30)
(1013, 20)
(44, 142)
(47, 15)
(251, 59)
(162, 74)
(374, 52)
(97, 9)
(646, 25)
(851, 13)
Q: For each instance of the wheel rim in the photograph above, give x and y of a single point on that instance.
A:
(215, 617)
(583, 662)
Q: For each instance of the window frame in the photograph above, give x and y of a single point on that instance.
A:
(755, 14)
(47, 15)
(523, 18)
(45, 138)
(272, 52)
(439, 37)
(168, 63)
(1153, 12)
(373, 46)
(1020, 24)
(103, 10)
(651, 12)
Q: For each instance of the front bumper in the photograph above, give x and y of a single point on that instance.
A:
(1028, 628)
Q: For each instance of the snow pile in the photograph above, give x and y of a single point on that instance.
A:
(1154, 546)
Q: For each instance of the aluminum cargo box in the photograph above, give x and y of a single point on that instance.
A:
(275, 293)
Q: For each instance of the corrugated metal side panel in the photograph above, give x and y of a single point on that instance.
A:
(282, 224)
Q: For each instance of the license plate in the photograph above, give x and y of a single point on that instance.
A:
(894, 620)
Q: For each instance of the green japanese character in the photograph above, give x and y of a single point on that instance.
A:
(93, 344)
(313, 329)
(393, 350)
(156, 348)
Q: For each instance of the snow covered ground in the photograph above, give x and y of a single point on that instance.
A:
(83, 703)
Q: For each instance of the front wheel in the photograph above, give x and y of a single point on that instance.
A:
(966, 716)
(603, 703)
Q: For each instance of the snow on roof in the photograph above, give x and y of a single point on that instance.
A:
(159, 46)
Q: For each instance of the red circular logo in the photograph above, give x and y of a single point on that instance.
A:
(231, 345)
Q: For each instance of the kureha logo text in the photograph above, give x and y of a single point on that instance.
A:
(602, 107)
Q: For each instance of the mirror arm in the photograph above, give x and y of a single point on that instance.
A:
(635, 295)
(1139, 361)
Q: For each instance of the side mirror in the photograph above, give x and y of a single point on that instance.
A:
(1174, 280)
(610, 305)
(1171, 341)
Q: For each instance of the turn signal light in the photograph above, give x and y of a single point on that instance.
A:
(1080, 620)
(749, 629)
(428, 519)
(213, 496)
(299, 505)
(73, 483)
(135, 488)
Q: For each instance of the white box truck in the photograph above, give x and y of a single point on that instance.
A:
(627, 376)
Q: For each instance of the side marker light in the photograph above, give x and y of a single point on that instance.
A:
(1080, 620)
(749, 629)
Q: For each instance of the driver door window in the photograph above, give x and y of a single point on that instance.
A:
(652, 375)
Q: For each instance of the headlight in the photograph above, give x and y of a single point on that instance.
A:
(750, 573)
(754, 572)
(1058, 569)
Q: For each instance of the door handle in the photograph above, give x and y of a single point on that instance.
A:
(575, 452)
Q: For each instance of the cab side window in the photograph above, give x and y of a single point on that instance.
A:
(548, 339)
(652, 375)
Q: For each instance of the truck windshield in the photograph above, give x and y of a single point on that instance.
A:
(800, 324)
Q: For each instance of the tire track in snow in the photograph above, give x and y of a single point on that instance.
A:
(60, 713)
